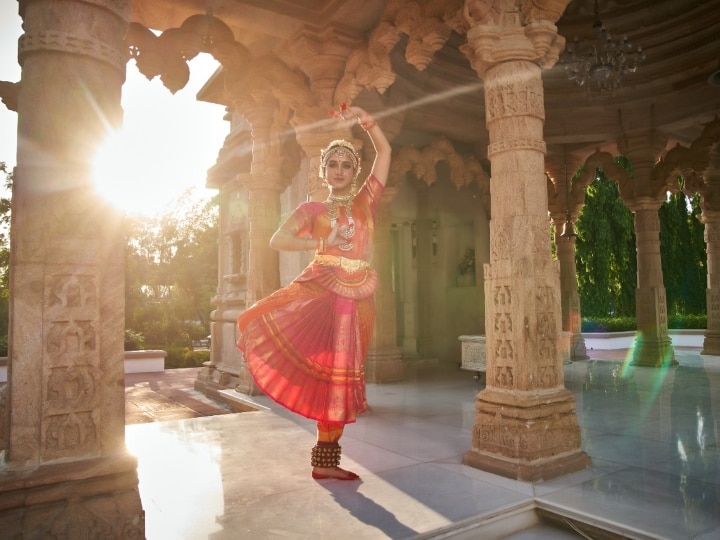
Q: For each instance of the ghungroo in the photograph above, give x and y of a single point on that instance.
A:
(325, 455)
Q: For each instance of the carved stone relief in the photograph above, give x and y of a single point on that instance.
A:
(515, 98)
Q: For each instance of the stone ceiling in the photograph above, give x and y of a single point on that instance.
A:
(670, 90)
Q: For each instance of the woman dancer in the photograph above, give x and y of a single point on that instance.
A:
(305, 344)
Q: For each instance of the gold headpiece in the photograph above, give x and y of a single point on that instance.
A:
(341, 149)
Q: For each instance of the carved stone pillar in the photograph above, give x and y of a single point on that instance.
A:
(564, 205)
(525, 427)
(384, 361)
(644, 194)
(312, 143)
(263, 218)
(711, 219)
(66, 472)
(264, 185)
(569, 294)
(407, 246)
(652, 346)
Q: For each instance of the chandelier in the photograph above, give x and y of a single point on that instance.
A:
(600, 66)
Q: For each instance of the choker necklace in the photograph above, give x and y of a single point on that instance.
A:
(346, 231)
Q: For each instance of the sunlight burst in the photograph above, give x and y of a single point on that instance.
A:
(165, 147)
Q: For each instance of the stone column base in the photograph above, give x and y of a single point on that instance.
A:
(213, 378)
(711, 344)
(655, 352)
(528, 471)
(578, 351)
(86, 498)
(526, 439)
(384, 366)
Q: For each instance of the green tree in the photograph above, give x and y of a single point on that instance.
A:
(605, 252)
(684, 256)
(171, 274)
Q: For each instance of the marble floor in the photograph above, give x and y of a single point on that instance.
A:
(652, 435)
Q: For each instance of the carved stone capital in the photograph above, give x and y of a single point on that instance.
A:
(322, 57)
(428, 28)
(71, 43)
(503, 31)
(564, 195)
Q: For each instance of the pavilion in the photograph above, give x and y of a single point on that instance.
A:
(487, 131)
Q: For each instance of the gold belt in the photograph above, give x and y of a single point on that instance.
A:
(349, 265)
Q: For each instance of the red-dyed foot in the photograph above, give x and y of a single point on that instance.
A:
(335, 473)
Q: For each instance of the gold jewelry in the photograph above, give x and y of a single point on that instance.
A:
(325, 455)
(343, 149)
(348, 232)
(349, 265)
(367, 123)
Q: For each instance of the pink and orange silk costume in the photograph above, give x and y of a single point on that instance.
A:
(305, 344)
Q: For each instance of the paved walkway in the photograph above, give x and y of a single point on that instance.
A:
(167, 395)
(652, 435)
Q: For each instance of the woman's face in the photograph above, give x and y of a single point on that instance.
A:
(339, 174)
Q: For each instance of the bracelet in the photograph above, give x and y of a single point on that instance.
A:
(367, 123)
(321, 249)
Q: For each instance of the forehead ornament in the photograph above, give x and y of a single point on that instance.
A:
(343, 150)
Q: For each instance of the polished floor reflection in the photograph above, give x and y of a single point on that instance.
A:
(652, 435)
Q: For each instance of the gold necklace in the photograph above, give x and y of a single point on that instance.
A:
(346, 231)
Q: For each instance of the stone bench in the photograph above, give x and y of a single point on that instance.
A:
(473, 353)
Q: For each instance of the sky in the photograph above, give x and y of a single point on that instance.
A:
(184, 134)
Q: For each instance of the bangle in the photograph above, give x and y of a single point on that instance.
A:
(321, 249)
(367, 123)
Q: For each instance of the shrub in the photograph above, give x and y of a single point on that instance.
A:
(134, 341)
(184, 357)
(696, 322)
(608, 324)
(624, 324)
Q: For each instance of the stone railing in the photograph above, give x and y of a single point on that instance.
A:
(624, 340)
(473, 346)
(145, 361)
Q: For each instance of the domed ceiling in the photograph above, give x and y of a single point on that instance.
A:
(676, 89)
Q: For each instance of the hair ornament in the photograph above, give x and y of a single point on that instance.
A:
(342, 149)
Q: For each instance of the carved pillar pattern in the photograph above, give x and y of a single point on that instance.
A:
(64, 415)
(525, 427)
(644, 195)
(384, 361)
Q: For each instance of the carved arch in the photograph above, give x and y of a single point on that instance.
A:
(464, 170)
(428, 27)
